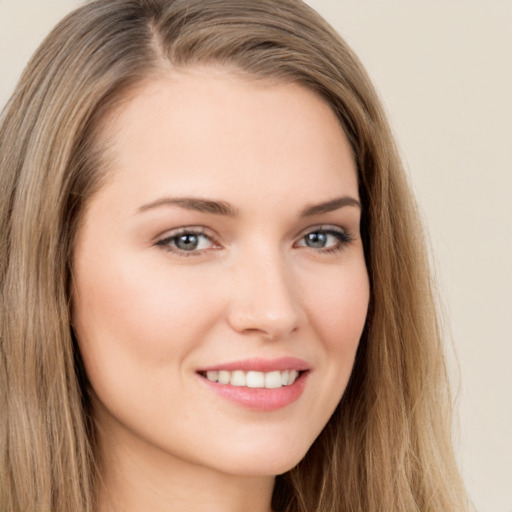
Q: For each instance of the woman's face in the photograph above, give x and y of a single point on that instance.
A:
(221, 260)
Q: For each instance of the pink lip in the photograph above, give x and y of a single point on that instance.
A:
(261, 365)
(260, 399)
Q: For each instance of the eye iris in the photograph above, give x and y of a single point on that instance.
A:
(188, 242)
(316, 240)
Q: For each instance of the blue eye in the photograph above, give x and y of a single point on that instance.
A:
(187, 241)
(317, 240)
(326, 240)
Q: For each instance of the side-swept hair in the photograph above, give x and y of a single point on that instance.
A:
(388, 446)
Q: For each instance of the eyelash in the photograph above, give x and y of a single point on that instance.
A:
(343, 237)
(192, 231)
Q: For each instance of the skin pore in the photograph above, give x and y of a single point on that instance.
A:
(227, 237)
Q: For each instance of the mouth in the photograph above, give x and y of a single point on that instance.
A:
(253, 379)
(257, 384)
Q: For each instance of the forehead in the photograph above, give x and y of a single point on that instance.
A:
(210, 130)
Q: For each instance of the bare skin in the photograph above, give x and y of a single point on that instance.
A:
(228, 232)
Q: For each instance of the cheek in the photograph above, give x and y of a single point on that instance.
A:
(337, 313)
(138, 317)
(339, 308)
(136, 325)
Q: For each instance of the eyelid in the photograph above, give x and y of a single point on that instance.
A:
(164, 240)
(345, 235)
(333, 228)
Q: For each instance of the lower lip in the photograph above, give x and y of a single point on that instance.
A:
(260, 399)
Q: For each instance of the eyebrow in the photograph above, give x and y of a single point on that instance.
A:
(193, 203)
(223, 208)
(330, 206)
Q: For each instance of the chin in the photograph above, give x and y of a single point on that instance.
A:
(275, 460)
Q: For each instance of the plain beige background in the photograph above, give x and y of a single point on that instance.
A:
(444, 72)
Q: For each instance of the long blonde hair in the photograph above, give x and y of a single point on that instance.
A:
(388, 445)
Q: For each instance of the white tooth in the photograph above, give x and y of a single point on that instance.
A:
(224, 377)
(292, 376)
(237, 378)
(284, 377)
(213, 376)
(255, 380)
(273, 380)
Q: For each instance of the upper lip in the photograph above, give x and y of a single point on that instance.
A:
(261, 365)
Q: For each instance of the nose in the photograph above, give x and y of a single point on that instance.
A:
(265, 300)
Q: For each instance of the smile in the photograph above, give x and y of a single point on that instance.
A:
(258, 384)
(253, 379)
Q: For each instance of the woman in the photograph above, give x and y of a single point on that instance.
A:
(215, 294)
